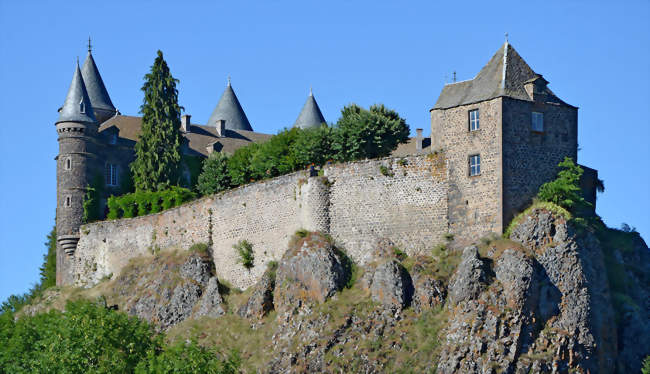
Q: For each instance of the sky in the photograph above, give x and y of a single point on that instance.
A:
(596, 55)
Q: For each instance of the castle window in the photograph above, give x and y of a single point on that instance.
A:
(111, 175)
(67, 201)
(68, 163)
(473, 120)
(82, 107)
(538, 122)
(474, 165)
(112, 139)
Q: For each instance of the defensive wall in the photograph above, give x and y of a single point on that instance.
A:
(402, 199)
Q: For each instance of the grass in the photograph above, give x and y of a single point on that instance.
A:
(553, 208)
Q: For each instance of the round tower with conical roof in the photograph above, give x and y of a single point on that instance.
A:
(76, 128)
(310, 116)
(103, 107)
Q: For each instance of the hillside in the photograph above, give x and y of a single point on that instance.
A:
(559, 295)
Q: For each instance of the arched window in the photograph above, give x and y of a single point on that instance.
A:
(111, 174)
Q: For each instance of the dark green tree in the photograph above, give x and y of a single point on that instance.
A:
(274, 157)
(239, 165)
(48, 269)
(565, 189)
(214, 177)
(313, 145)
(361, 133)
(157, 162)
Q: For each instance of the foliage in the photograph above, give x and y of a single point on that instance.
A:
(239, 165)
(194, 166)
(565, 189)
(157, 161)
(89, 338)
(274, 157)
(646, 365)
(385, 171)
(361, 133)
(200, 248)
(245, 251)
(91, 199)
(86, 338)
(214, 177)
(313, 146)
(146, 202)
(188, 358)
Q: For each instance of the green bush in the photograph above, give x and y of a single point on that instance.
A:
(200, 248)
(565, 189)
(646, 365)
(214, 177)
(274, 157)
(245, 251)
(188, 358)
(239, 165)
(146, 202)
(313, 146)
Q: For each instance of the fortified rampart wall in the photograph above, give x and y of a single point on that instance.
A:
(402, 199)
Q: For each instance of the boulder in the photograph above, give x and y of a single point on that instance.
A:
(311, 271)
(428, 291)
(391, 285)
(260, 303)
(211, 303)
(470, 277)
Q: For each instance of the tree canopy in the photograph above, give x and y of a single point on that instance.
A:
(157, 162)
(565, 189)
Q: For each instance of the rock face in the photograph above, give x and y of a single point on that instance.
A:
(260, 303)
(169, 289)
(429, 292)
(310, 272)
(391, 285)
(470, 278)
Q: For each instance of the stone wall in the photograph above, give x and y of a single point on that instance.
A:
(356, 202)
(531, 158)
(474, 202)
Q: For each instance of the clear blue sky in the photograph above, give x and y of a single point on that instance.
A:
(596, 55)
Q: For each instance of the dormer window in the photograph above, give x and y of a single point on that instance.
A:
(473, 120)
(537, 122)
(111, 174)
(82, 107)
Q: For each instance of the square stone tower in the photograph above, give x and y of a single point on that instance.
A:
(503, 134)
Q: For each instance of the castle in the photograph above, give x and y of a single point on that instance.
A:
(494, 140)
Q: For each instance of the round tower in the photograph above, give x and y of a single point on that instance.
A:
(76, 128)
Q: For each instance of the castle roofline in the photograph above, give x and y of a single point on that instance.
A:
(310, 115)
(77, 106)
(95, 85)
(503, 76)
(229, 109)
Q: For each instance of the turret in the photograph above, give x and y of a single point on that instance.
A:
(103, 107)
(76, 127)
(310, 115)
(230, 110)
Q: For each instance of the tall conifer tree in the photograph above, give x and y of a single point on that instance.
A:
(157, 162)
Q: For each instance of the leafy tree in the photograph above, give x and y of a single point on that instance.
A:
(373, 133)
(274, 157)
(313, 145)
(214, 177)
(239, 165)
(565, 189)
(157, 162)
(187, 358)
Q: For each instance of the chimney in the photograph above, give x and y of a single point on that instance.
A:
(418, 140)
(185, 123)
(221, 128)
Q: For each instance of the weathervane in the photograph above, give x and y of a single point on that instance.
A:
(228, 79)
(90, 47)
(506, 37)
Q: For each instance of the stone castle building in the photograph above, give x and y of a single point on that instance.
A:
(495, 139)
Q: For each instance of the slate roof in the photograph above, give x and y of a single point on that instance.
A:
(408, 148)
(504, 75)
(77, 94)
(199, 136)
(95, 85)
(230, 109)
(310, 115)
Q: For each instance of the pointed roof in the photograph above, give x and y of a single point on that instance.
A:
(504, 75)
(310, 115)
(230, 109)
(77, 106)
(95, 85)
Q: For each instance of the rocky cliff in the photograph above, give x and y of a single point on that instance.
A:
(558, 296)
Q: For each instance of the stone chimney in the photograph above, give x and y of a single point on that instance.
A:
(185, 123)
(418, 140)
(221, 127)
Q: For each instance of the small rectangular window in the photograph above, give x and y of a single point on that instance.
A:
(111, 175)
(473, 120)
(67, 201)
(474, 165)
(538, 122)
(113, 139)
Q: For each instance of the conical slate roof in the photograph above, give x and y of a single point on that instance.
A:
(95, 85)
(310, 115)
(230, 110)
(77, 106)
(504, 75)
